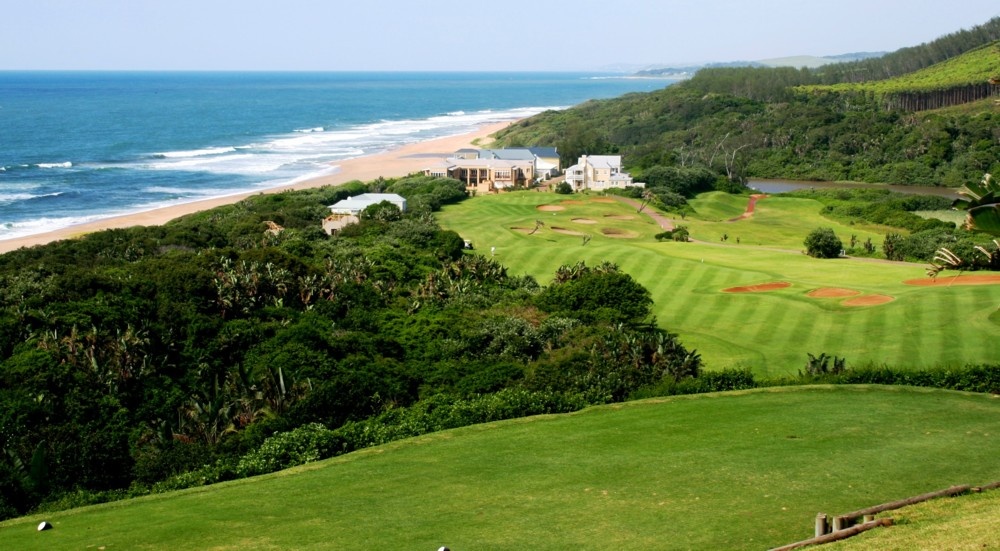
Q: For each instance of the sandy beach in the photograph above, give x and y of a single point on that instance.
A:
(398, 162)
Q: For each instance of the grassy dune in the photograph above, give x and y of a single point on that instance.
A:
(769, 332)
(745, 470)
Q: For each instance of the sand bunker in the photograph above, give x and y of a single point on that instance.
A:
(832, 292)
(564, 231)
(620, 234)
(522, 230)
(977, 279)
(619, 217)
(550, 208)
(583, 221)
(603, 200)
(868, 300)
(759, 288)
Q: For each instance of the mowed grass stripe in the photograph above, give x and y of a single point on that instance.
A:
(917, 330)
(744, 470)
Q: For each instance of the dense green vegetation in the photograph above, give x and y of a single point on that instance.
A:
(739, 470)
(131, 357)
(761, 122)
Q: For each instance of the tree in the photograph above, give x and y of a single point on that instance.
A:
(563, 188)
(982, 202)
(590, 294)
(823, 243)
(384, 211)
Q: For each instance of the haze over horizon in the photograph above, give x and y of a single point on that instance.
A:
(447, 35)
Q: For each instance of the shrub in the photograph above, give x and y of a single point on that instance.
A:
(823, 243)
(891, 246)
(563, 188)
(310, 442)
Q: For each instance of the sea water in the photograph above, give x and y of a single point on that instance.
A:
(81, 146)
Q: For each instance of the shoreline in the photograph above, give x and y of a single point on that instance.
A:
(394, 163)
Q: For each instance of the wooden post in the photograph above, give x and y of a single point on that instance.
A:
(840, 522)
(836, 536)
(820, 524)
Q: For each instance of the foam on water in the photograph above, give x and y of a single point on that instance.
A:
(195, 152)
(135, 147)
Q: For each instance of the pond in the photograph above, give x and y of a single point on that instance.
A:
(782, 186)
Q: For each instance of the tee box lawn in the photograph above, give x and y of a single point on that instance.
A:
(736, 470)
(874, 318)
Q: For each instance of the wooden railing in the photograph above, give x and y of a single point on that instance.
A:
(846, 525)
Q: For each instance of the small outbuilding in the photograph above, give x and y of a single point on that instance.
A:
(347, 211)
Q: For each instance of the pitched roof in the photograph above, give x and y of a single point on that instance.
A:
(512, 154)
(361, 202)
(549, 152)
(605, 161)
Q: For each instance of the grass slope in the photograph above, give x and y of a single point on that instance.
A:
(957, 524)
(770, 332)
(746, 470)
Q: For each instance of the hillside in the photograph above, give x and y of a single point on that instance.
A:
(745, 470)
(812, 62)
(975, 67)
(963, 79)
(756, 122)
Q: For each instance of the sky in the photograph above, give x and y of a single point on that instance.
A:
(449, 35)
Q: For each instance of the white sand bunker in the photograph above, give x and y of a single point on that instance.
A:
(550, 208)
(583, 221)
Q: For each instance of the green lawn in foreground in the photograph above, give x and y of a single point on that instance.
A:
(770, 332)
(745, 470)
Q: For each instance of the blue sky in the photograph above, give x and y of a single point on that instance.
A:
(530, 35)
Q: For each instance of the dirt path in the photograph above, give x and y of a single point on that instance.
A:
(751, 205)
(665, 223)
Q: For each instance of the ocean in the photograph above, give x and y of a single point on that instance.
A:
(80, 146)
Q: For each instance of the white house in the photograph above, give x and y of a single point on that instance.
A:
(347, 211)
(598, 173)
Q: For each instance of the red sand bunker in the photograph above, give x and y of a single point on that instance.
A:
(759, 288)
(977, 279)
(832, 292)
(868, 300)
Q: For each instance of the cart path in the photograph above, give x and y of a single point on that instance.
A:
(665, 223)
